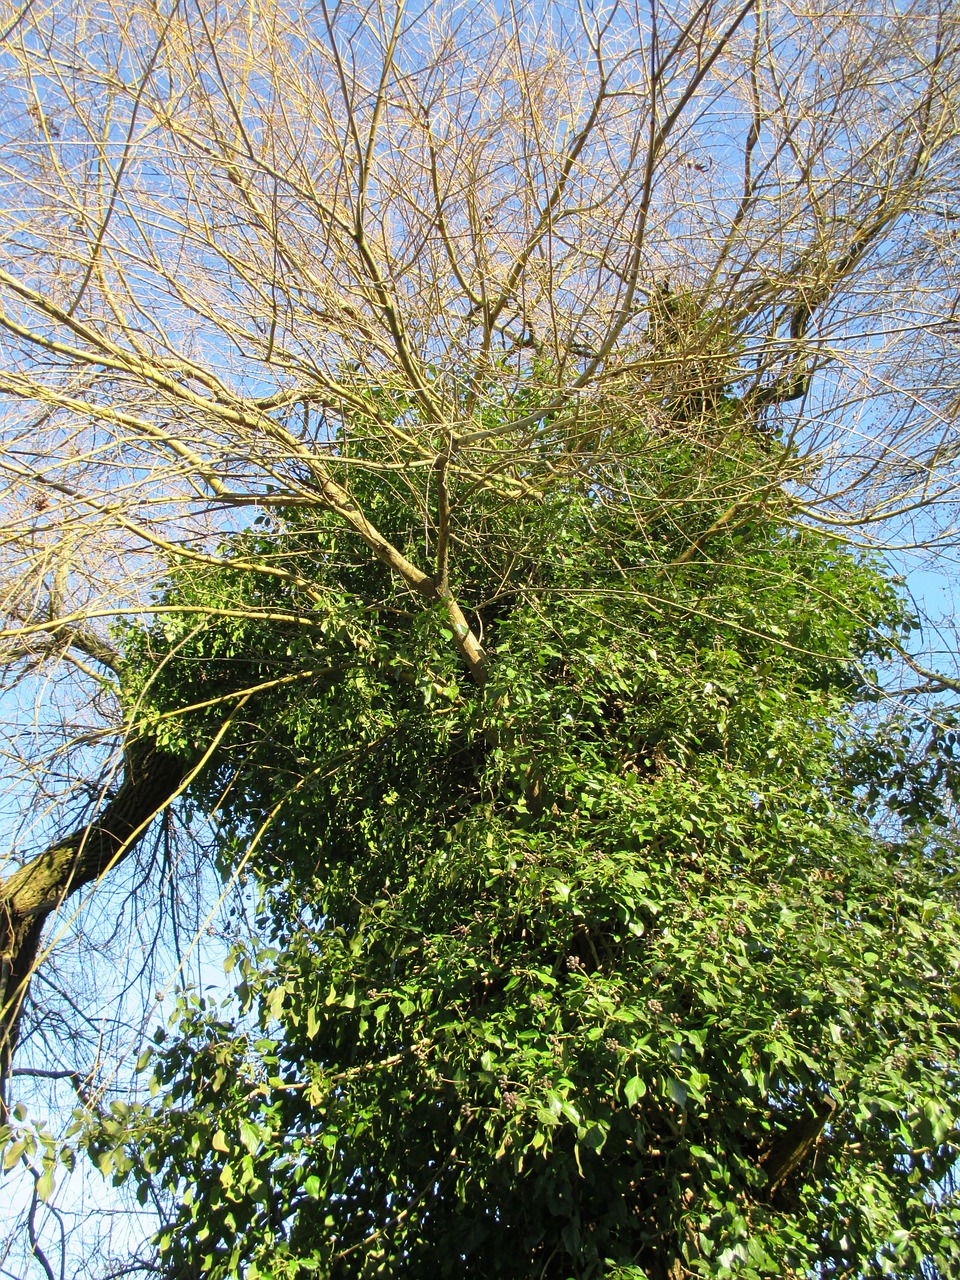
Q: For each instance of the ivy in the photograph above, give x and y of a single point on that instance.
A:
(607, 969)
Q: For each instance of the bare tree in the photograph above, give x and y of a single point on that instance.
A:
(248, 250)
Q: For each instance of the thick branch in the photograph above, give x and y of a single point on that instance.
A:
(31, 893)
(339, 500)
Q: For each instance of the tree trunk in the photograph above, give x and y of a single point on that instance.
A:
(796, 1143)
(28, 896)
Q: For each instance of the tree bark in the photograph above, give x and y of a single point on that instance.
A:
(796, 1143)
(151, 778)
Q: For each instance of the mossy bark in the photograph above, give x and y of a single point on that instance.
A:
(151, 777)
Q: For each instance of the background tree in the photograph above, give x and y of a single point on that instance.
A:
(371, 263)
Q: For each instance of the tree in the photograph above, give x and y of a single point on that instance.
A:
(608, 969)
(390, 268)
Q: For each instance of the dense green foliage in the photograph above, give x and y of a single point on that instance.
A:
(613, 967)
